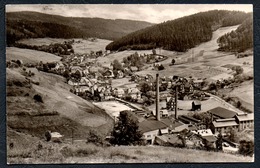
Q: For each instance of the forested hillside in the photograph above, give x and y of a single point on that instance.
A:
(21, 25)
(239, 40)
(180, 34)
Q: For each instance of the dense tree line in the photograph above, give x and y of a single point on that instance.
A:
(21, 25)
(180, 34)
(239, 40)
(22, 29)
(134, 60)
(56, 48)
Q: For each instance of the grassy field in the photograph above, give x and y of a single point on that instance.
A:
(41, 41)
(30, 56)
(86, 46)
(81, 46)
(80, 152)
(245, 93)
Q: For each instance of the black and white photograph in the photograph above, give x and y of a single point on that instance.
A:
(129, 83)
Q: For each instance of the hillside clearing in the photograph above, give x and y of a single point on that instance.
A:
(30, 56)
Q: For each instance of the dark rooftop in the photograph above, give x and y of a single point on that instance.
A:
(196, 102)
(151, 125)
(222, 112)
(210, 138)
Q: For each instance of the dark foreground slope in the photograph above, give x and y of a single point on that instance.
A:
(21, 25)
(56, 110)
(180, 34)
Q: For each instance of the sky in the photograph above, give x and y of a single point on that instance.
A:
(154, 13)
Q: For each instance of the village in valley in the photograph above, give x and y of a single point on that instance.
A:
(201, 99)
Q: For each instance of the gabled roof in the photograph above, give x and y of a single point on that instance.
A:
(210, 138)
(224, 123)
(198, 81)
(222, 112)
(245, 117)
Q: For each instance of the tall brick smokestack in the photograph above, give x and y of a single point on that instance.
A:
(176, 101)
(157, 98)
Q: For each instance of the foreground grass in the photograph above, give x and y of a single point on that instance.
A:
(81, 152)
(155, 154)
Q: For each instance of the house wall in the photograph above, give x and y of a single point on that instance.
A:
(245, 124)
(150, 136)
(224, 130)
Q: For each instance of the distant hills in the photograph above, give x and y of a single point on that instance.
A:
(180, 34)
(21, 25)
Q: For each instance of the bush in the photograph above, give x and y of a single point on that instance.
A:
(160, 67)
(95, 137)
(81, 151)
(38, 98)
(126, 130)
(119, 153)
(48, 136)
(246, 147)
(173, 61)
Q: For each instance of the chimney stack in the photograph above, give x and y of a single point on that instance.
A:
(176, 100)
(157, 98)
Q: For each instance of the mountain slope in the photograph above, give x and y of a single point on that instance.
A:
(35, 25)
(180, 34)
(239, 40)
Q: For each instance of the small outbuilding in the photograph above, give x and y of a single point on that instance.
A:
(196, 105)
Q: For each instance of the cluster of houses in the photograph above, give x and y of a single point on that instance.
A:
(189, 131)
(156, 129)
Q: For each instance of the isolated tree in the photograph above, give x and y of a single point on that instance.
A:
(212, 86)
(154, 51)
(77, 75)
(126, 130)
(66, 73)
(117, 65)
(238, 70)
(238, 105)
(48, 135)
(145, 87)
(38, 98)
(160, 67)
(173, 61)
(219, 142)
